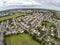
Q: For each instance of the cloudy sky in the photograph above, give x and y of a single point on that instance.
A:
(45, 4)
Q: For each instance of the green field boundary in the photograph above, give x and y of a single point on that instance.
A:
(12, 16)
(21, 39)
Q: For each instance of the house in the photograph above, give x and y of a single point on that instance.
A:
(43, 28)
(20, 30)
(8, 32)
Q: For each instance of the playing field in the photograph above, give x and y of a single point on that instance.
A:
(21, 39)
(12, 16)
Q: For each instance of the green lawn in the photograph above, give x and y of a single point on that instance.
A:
(57, 39)
(57, 16)
(21, 39)
(48, 24)
(12, 16)
(58, 21)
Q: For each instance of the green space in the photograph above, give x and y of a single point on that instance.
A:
(12, 16)
(57, 39)
(57, 16)
(58, 21)
(21, 39)
(48, 24)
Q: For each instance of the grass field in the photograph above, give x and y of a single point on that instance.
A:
(58, 21)
(21, 39)
(12, 16)
(48, 24)
(57, 16)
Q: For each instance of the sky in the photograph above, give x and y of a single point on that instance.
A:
(45, 4)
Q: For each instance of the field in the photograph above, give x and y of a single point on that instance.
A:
(21, 39)
(12, 16)
(57, 16)
(58, 21)
(48, 24)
